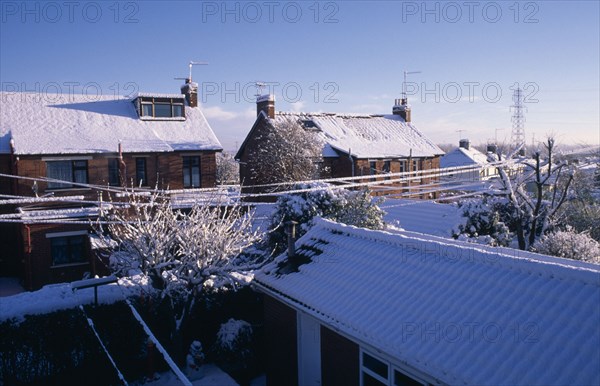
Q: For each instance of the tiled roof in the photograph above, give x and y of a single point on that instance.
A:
(461, 313)
(81, 124)
(366, 136)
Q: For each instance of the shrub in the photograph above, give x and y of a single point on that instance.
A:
(569, 244)
(349, 207)
(485, 221)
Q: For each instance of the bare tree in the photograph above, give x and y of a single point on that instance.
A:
(549, 180)
(227, 169)
(182, 252)
(285, 153)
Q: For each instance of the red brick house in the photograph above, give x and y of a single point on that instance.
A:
(80, 146)
(357, 307)
(354, 145)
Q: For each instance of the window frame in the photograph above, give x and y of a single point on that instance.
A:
(176, 106)
(69, 237)
(114, 172)
(373, 170)
(392, 369)
(415, 168)
(144, 179)
(73, 168)
(387, 168)
(189, 169)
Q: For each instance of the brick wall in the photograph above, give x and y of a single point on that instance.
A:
(38, 266)
(162, 170)
(246, 177)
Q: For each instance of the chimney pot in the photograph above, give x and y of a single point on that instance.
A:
(402, 109)
(266, 103)
(464, 143)
(291, 236)
(190, 90)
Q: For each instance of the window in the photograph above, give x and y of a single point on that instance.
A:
(378, 372)
(147, 110)
(373, 169)
(151, 107)
(71, 171)
(68, 250)
(140, 172)
(114, 174)
(386, 168)
(162, 110)
(374, 371)
(191, 172)
(415, 168)
(178, 110)
(402, 166)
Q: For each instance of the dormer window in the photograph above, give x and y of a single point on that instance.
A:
(150, 107)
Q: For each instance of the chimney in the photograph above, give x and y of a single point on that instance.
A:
(402, 109)
(266, 103)
(291, 237)
(492, 148)
(464, 143)
(190, 90)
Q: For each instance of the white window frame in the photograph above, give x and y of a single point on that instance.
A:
(366, 370)
(391, 367)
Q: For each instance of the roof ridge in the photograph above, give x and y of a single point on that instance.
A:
(542, 265)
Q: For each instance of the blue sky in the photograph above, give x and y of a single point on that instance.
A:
(325, 56)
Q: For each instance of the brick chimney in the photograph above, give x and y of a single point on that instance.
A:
(190, 90)
(266, 103)
(464, 143)
(402, 109)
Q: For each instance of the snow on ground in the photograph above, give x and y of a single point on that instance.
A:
(212, 376)
(412, 215)
(422, 216)
(10, 286)
(262, 216)
(61, 296)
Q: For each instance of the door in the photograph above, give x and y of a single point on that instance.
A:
(309, 350)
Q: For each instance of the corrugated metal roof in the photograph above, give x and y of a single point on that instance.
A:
(458, 312)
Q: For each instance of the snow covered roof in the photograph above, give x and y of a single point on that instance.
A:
(83, 124)
(462, 157)
(366, 136)
(460, 313)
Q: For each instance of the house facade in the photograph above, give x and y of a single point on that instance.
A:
(361, 307)
(353, 146)
(476, 166)
(72, 152)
